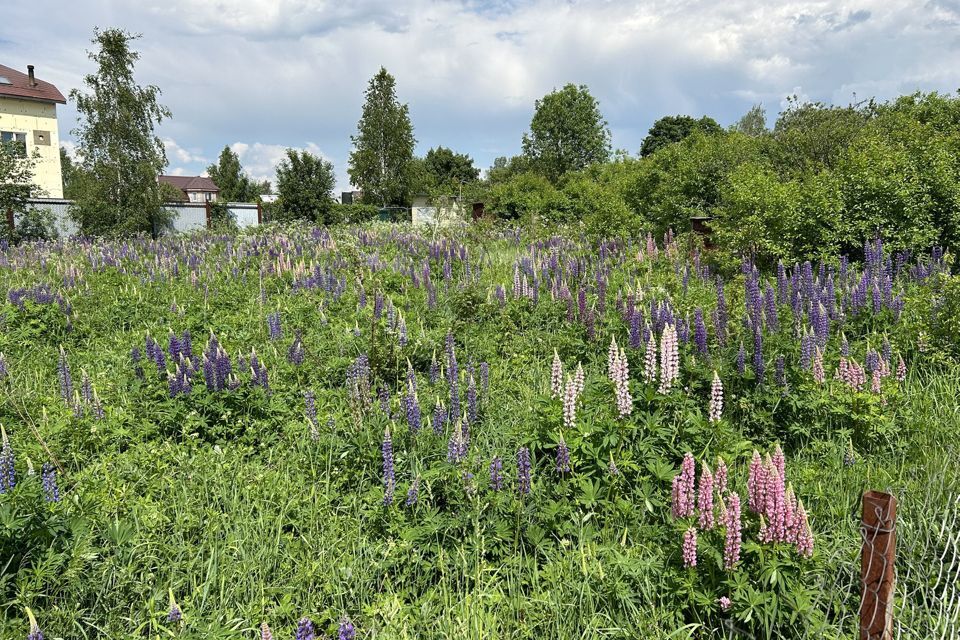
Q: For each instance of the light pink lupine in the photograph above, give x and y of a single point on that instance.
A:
(690, 548)
(669, 358)
(779, 461)
(651, 246)
(756, 484)
(705, 498)
(613, 354)
(804, 533)
(875, 382)
(265, 633)
(790, 516)
(720, 477)
(650, 361)
(901, 369)
(556, 376)
(579, 380)
(731, 547)
(818, 373)
(622, 385)
(775, 508)
(716, 398)
(569, 404)
(683, 488)
(725, 603)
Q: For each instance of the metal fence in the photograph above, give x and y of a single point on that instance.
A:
(186, 216)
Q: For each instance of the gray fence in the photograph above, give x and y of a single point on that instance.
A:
(187, 216)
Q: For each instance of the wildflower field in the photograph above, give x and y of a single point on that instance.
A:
(377, 432)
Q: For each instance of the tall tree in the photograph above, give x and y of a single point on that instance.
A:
(753, 122)
(16, 181)
(670, 129)
(567, 132)
(235, 186)
(70, 172)
(305, 184)
(448, 169)
(121, 154)
(383, 147)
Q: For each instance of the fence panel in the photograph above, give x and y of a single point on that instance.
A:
(245, 214)
(188, 216)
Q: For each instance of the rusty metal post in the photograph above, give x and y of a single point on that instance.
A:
(206, 205)
(877, 557)
(259, 213)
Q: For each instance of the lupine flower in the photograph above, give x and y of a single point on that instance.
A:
(456, 449)
(756, 484)
(612, 467)
(471, 400)
(901, 369)
(174, 614)
(439, 417)
(818, 374)
(622, 385)
(434, 369)
(683, 488)
(413, 493)
(346, 630)
(265, 633)
(690, 548)
(579, 380)
(804, 534)
(613, 354)
(296, 353)
(650, 360)
(389, 478)
(731, 548)
(273, 325)
(63, 372)
(50, 490)
(669, 359)
(758, 364)
(720, 477)
(724, 602)
(305, 630)
(8, 477)
(556, 376)
(524, 480)
(875, 382)
(705, 498)
(496, 473)
(413, 411)
(716, 398)
(34, 633)
(779, 461)
(563, 456)
(849, 457)
(699, 332)
(310, 409)
(570, 404)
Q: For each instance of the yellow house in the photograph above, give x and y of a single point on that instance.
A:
(28, 116)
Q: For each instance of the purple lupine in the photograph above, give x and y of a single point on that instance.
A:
(758, 364)
(8, 476)
(439, 418)
(310, 410)
(733, 526)
(135, 358)
(741, 360)
(305, 630)
(563, 456)
(807, 345)
(434, 369)
(683, 488)
(699, 332)
(174, 614)
(471, 400)
(524, 479)
(258, 372)
(34, 633)
(63, 373)
(705, 498)
(296, 353)
(690, 548)
(273, 325)
(779, 371)
(389, 478)
(346, 630)
(413, 493)
(720, 315)
(496, 473)
(413, 411)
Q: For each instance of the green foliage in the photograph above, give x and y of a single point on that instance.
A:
(234, 184)
(305, 184)
(526, 196)
(117, 190)
(16, 180)
(71, 175)
(383, 146)
(670, 129)
(449, 170)
(753, 122)
(567, 133)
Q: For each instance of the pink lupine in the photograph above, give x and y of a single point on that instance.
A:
(901, 369)
(804, 533)
(790, 516)
(779, 461)
(875, 382)
(818, 373)
(690, 548)
(556, 376)
(569, 404)
(705, 498)
(725, 603)
(731, 547)
(756, 484)
(775, 508)
(621, 382)
(613, 354)
(650, 361)
(669, 359)
(683, 488)
(579, 380)
(720, 477)
(716, 398)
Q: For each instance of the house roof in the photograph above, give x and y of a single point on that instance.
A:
(191, 183)
(18, 85)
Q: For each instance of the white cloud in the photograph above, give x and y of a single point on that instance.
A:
(260, 160)
(180, 154)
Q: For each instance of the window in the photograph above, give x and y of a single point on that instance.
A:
(17, 140)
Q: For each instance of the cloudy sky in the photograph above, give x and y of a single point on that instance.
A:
(263, 75)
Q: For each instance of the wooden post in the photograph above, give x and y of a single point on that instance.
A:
(10, 221)
(206, 205)
(876, 565)
(259, 213)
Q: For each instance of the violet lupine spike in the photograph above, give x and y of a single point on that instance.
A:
(496, 473)
(758, 363)
(779, 371)
(305, 630)
(556, 376)
(705, 498)
(273, 325)
(389, 477)
(741, 360)
(8, 476)
(472, 410)
(563, 456)
(690, 548)
(683, 496)
(524, 472)
(346, 630)
(63, 372)
(699, 332)
(716, 398)
(413, 493)
(733, 526)
(439, 418)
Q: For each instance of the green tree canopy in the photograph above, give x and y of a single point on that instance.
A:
(753, 122)
(305, 184)
(234, 184)
(121, 155)
(449, 169)
(567, 133)
(670, 129)
(383, 147)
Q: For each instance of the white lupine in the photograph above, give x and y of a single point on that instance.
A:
(556, 376)
(716, 398)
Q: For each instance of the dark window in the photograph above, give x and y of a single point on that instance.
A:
(18, 141)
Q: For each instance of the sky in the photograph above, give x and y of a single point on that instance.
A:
(265, 75)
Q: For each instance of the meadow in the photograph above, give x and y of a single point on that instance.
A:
(383, 432)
